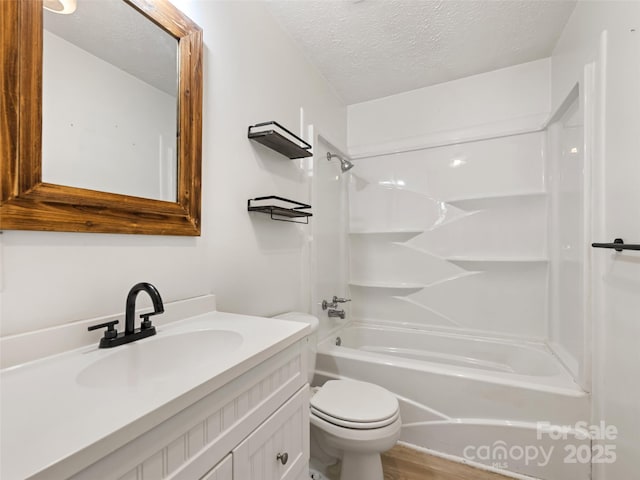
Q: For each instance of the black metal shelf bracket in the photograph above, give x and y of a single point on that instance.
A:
(279, 213)
(618, 245)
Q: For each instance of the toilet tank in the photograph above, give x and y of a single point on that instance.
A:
(312, 341)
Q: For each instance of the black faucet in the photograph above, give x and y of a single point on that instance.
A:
(111, 336)
(130, 311)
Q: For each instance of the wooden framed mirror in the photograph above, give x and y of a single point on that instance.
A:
(28, 203)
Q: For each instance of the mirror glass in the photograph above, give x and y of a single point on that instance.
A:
(110, 101)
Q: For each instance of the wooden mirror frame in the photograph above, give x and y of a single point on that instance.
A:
(26, 203)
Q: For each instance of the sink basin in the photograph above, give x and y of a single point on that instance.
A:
(159, 358)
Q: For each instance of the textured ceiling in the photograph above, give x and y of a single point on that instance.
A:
(120, 35)
(373, 48)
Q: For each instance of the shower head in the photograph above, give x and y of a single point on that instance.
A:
(344, 163)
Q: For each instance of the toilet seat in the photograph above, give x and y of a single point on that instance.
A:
(355, 425)
(355, 405)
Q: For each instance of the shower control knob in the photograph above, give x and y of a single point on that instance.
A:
(326, 304)
(283, 457)
(340, 300)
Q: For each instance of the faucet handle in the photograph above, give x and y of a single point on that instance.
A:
(110, 333)
(340, 300)
(326, 304)
(146, 323)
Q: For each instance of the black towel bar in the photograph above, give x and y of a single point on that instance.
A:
(618, 245)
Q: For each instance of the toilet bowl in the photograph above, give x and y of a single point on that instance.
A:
(353, 420)
(359, 420)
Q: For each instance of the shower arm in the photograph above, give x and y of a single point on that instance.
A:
(345, 163)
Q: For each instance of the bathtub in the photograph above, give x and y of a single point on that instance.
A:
(505, 404)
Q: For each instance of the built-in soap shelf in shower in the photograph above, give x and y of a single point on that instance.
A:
(399, 235)
(492, 201)
(465, 259)
(392, 285)
(387, 232)
(493, 263)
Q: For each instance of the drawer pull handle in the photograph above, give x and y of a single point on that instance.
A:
(283, 457)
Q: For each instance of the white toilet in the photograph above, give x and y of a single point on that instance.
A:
(357, 420)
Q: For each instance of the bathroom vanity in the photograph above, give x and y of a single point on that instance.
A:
(217, 397)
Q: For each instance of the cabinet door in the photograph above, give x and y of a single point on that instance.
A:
(279, 448)
(222, 471)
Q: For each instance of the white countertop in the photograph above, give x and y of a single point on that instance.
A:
(55, 418)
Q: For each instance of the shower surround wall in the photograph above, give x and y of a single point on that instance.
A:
(458, 239)
(329, 227)
(568, 179)
(453, 235)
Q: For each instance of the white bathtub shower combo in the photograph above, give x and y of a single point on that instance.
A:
(465, 266)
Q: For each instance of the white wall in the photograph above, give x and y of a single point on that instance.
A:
(96, 137)
(253, 72)
(616, 277)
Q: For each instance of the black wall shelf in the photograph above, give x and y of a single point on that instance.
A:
(278, 138)
(279, 212)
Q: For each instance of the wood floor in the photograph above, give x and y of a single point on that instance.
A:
(402, 463)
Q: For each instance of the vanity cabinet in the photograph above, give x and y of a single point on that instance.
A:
(235, 432)
(279, 448)
(222, 471)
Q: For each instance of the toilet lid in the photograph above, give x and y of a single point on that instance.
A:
(355, 425)
(355, 403)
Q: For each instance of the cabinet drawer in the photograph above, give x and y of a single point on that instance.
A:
(285, 432)
(222, 471)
